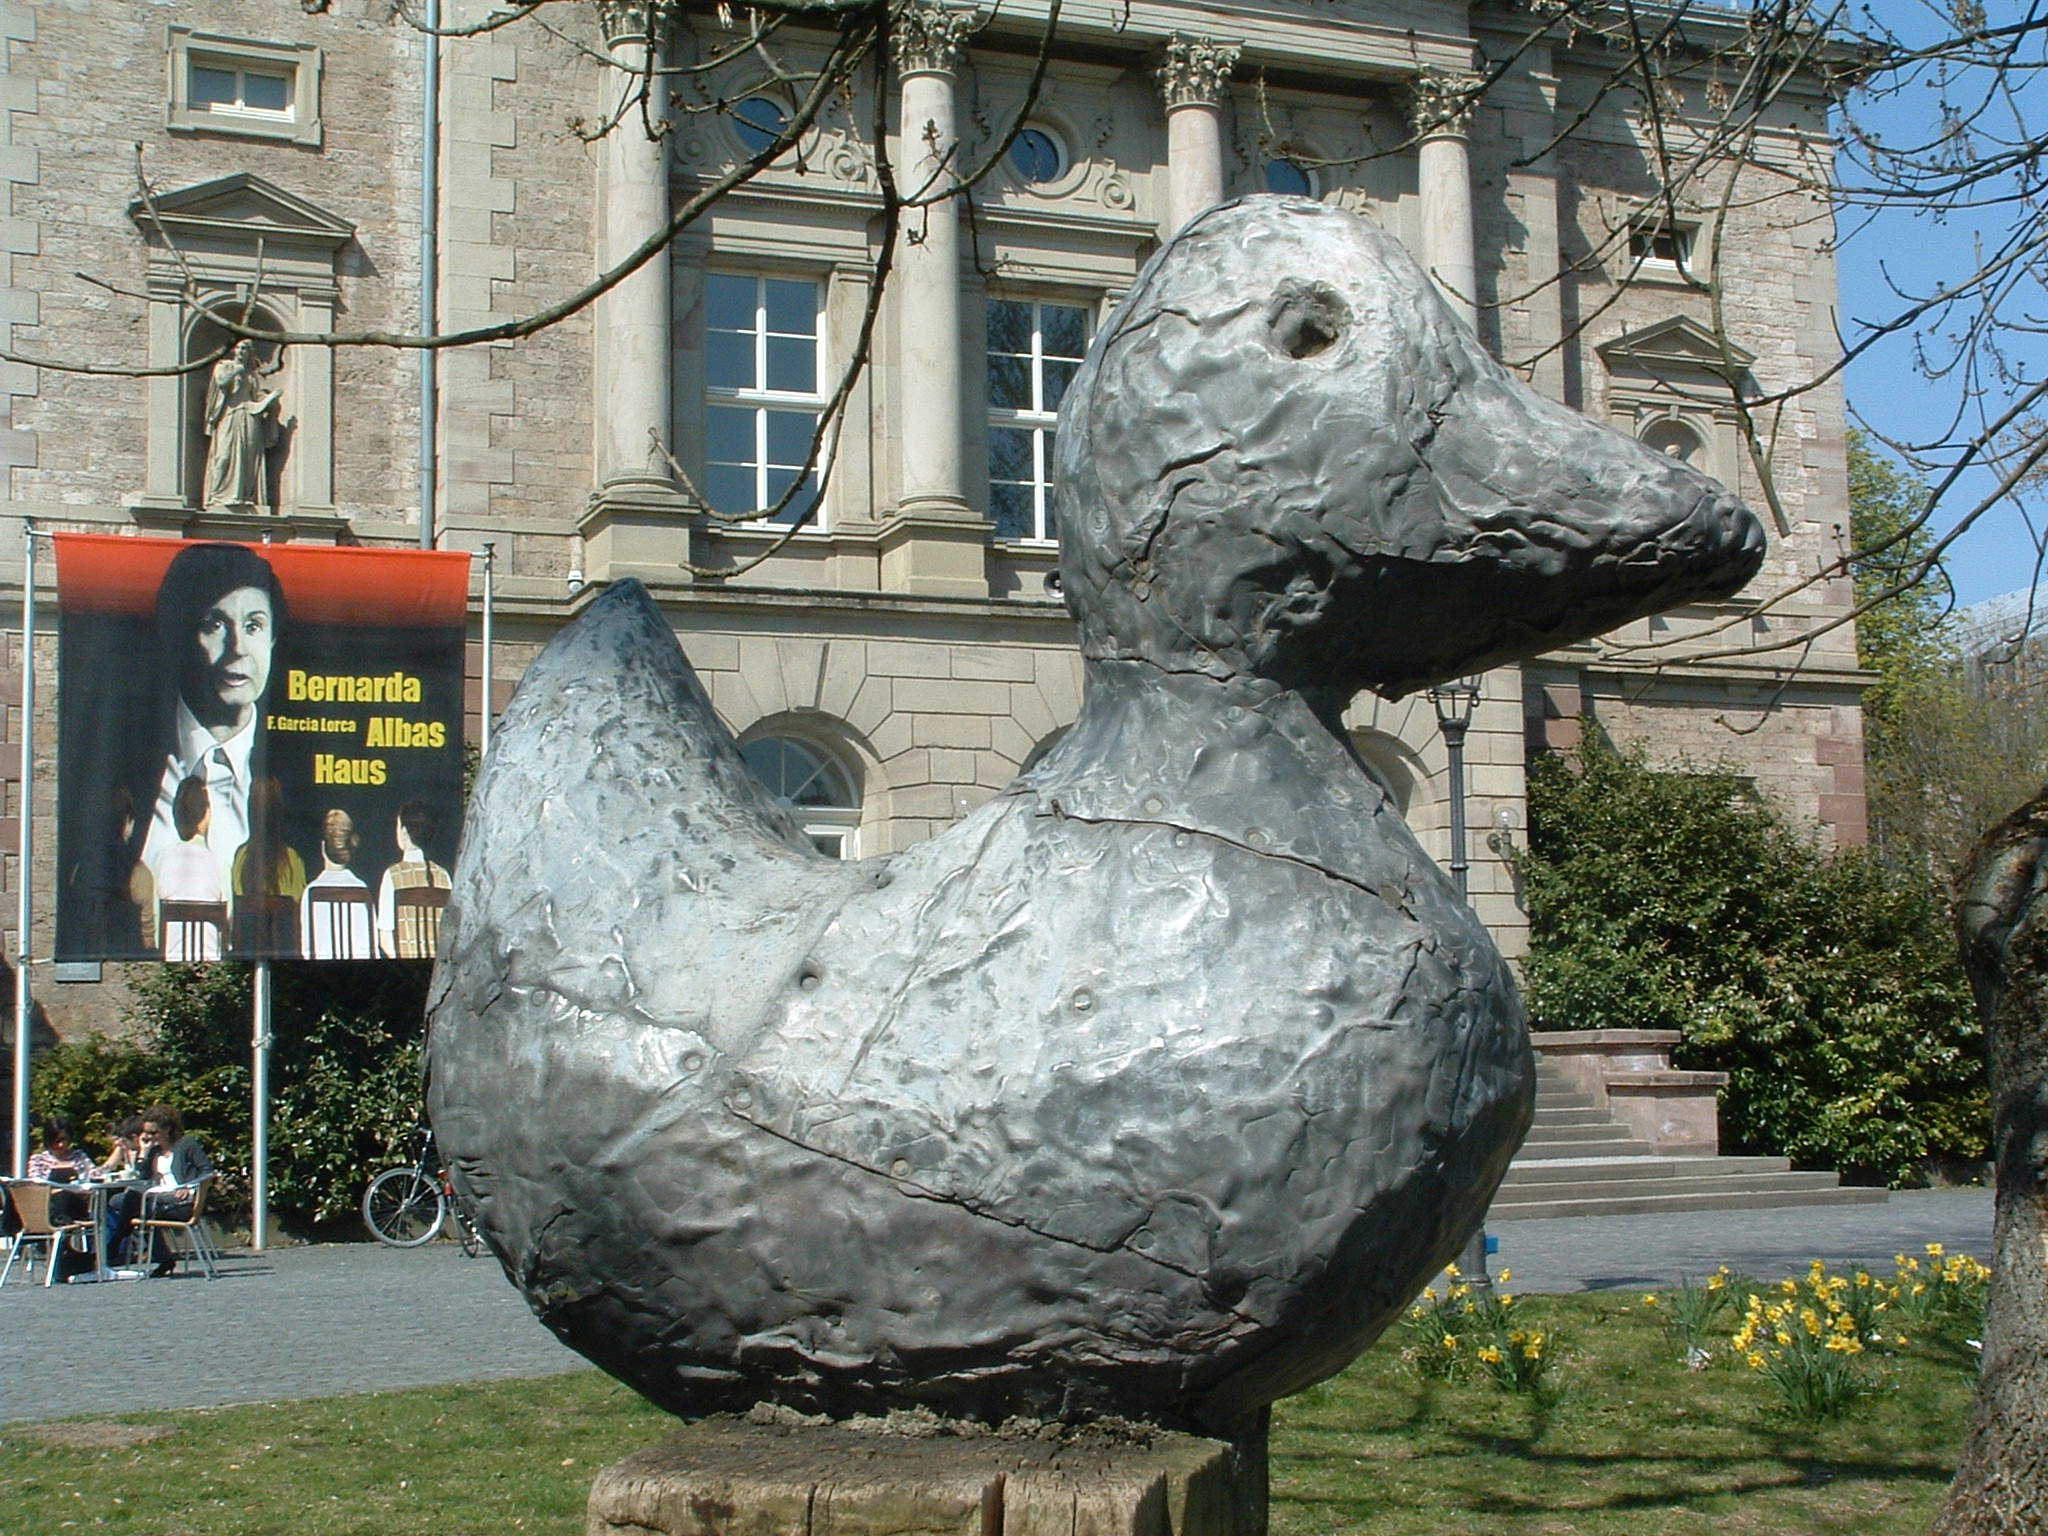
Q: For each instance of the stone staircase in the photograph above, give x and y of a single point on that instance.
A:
(1580, 1161)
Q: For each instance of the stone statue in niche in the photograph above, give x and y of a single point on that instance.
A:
(1158, 1085)
(241, 426)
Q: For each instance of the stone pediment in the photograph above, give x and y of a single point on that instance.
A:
(243, 207)
(1678, 343)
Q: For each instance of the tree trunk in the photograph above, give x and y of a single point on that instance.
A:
(2002, 914)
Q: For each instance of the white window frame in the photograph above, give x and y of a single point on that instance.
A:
(1038, 421)
(764, 401)
(301, 63)
(1686, 235)
(834, 821)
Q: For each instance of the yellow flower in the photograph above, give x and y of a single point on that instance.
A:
(1517, 1336)
(1756, 1361)
(1901, 1340)
(1650, 1301)
(1506, 1275)
(1810, 1321)
(1789, 1286)
(1453, 1271)
(1460, 1290)
(1450, 1341)
(1782, 1337)
(1506, 1300)
(1718, 1279)
(1533, 1350)
(1935, 1250)
(1843, 1323)
(1490, 1355)
(1844, 1345)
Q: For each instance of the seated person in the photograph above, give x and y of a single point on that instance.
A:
(174, 1163)
(126, 1151)
(63, 1161)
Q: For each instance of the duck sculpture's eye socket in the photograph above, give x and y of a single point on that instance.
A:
(1305, 321)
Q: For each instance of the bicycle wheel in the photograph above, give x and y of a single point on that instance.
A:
(402, 1208)
(465, 1231)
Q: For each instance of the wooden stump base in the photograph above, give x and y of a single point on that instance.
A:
(741, 1477)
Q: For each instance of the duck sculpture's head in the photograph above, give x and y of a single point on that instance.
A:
(1284, 457)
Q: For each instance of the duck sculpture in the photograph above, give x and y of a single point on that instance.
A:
(1161, 1083)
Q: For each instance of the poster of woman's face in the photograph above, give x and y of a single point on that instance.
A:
(220, 706)
(219, 612)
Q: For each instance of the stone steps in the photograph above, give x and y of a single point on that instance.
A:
(1578, 1161)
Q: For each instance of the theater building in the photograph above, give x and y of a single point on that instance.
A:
(895, 659)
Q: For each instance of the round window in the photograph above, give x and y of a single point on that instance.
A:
(759, 122)
(1288, 178)
(1036, 156)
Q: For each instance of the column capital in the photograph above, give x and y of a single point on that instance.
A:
(1440, 101)
(635, 21)
(1196, 71)
(930, 38)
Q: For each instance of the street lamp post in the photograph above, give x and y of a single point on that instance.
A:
(1454, 703)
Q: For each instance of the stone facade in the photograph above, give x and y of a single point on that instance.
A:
(912, 639)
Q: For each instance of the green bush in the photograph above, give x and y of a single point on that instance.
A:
(344, 1075)
(1829, 991)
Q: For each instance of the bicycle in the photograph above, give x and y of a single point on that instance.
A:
(408, 1207)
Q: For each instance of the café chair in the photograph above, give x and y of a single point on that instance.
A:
(29, 1199)
(197, 1241)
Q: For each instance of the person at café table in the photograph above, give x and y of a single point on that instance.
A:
(63, 1161)
(173, 1163)
(127, 1146)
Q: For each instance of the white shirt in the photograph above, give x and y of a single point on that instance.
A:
(187, 872)
(353, 941)
(225, 765)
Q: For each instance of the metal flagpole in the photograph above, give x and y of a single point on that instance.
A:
(483, 735)
(24, 1000)
(259, 1092)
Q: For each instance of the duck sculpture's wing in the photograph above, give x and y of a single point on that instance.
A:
(628, 901)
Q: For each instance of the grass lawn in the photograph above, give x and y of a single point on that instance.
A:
(1631, 1442)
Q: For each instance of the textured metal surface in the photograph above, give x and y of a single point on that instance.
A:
(1161, 1082)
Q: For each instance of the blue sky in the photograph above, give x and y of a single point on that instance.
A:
(1918, 252)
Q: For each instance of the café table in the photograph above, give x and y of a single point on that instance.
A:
(100, 1190)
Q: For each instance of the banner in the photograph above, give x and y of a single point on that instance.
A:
(259, 749)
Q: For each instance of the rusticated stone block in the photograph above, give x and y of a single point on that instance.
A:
(733, 1476)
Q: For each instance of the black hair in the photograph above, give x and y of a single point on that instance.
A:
(201, 576)
(55, 1126)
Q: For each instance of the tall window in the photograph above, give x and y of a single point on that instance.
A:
(762, 369)
(1034, 350)
(818, 792)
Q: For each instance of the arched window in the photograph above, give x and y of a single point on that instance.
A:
(1390, 763)
(1676, 438)
(1287, 175)
(819, 792)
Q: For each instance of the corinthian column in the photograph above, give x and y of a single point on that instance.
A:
(1442, 106)
(631, 401)
(1192, 81)
(934, 542)
(929, 43)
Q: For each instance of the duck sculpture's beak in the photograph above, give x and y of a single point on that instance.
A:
(1285, 456)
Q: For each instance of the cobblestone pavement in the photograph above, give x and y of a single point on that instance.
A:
(321, 1321)
(292, 1322)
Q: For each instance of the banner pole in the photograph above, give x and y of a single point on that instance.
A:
(483, 734)
(259, 1092)
(24, 997)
